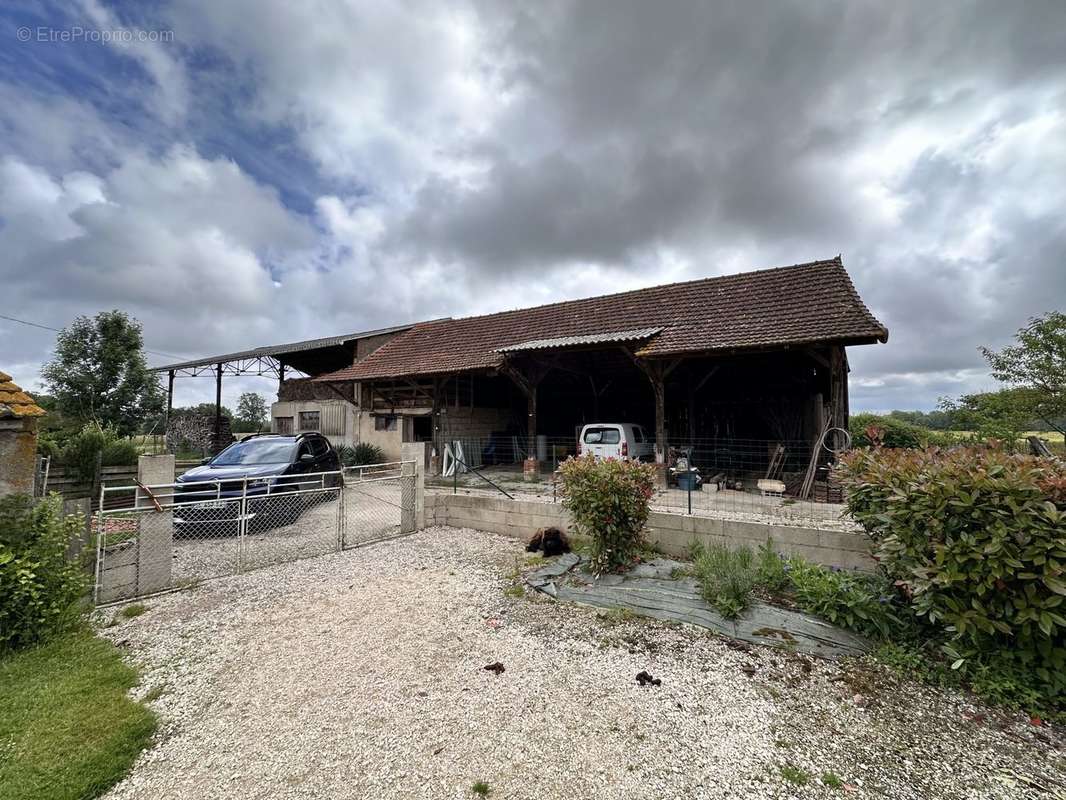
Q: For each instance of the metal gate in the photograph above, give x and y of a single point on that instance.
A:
(152, 539)
(379, 502)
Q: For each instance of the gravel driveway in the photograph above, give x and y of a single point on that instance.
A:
(362, 674)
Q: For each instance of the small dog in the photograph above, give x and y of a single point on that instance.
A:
(551, 540)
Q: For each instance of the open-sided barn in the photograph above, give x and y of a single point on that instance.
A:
(741, 363)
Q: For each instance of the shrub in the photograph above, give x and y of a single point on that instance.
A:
(869, 430)
(92, 442)
(608, 501)
(977, 539)
(360, 455)
(862, 603)
(726, 577)
(40, 587)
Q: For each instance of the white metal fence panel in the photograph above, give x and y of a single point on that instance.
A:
(152, 539)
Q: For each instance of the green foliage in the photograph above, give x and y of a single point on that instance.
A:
(795, 775)
(832, 780)
(726, 577)
(1002, 416)
(869, 430)
(251, 412)
(133, 610)
(82, 450)
(481, 789)
(360, 455)
(862, 603)
(40, 587)
(977, 539)
(608, 501)
(1037, 362)
(99, 373)
(933, 420)
(67, 714)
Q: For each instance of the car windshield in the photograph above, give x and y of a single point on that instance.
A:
(256, 451)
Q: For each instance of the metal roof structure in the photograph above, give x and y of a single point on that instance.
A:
(561, 342)
(270, 359)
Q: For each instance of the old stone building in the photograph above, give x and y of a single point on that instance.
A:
(18, 437)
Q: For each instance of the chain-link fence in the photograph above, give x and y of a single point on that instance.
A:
(159, 538)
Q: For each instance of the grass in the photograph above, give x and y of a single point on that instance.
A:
(133, 610)
(832, 780)
(794, 775)
(68, 729)
(481, 789)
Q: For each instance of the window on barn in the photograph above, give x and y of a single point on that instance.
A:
(384, 423)
(309, 420)
(283, 425)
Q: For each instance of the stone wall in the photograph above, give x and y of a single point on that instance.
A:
(672, 534)
(18, 454)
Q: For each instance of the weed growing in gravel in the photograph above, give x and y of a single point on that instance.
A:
(616, 616)
(831, 780)
(133, 610)
(515, 590)
(794, 774)
(155, 693)
(481, 789)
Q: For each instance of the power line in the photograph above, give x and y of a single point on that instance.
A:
(57, 330)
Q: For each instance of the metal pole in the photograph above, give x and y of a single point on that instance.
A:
(690, 491)
(242, 524)
(215, 446)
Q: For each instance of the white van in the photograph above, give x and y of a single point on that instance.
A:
(616, 440)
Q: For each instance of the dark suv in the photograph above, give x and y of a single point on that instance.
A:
(264, 465)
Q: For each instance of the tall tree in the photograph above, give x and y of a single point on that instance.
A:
(251, 411)
(99, 373)
(1037, 362)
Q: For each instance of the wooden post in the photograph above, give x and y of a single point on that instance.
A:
(657, 372)
(528, 381)
(170, 400)
(281, 378)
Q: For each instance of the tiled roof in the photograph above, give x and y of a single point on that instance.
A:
(14, 402)
(802, 304)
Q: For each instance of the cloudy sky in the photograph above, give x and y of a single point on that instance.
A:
(254, 171)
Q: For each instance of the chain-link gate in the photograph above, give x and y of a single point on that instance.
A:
(378, 502)
(159, 538)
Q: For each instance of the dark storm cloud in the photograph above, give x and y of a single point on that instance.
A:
(299, 174)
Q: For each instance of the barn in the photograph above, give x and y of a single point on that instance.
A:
(746, 371)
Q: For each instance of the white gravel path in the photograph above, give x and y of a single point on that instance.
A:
(361, 675)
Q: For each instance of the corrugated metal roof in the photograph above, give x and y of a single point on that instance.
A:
(280, 349)
(577, 341)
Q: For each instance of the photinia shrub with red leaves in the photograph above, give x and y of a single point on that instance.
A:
(977, 539)
(608, 501)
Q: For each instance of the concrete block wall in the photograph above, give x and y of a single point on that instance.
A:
(473, 423)
(672, 534)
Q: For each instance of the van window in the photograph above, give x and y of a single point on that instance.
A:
(603, 436)
(638, 433)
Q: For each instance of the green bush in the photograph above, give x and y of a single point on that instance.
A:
(869, 430)
(41, 588)
(977, 539)
(608, 502)
(726, 577)
(360, 455)
(862, 603)
(93, 441)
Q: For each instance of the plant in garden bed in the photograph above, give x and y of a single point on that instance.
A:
(608, 502)
(977, 540)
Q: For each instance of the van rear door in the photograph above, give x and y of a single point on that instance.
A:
(603, 441)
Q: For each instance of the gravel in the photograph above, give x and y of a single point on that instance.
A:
(362, 674)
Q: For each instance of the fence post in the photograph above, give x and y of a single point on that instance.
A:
(242, 523)
(341, 492)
